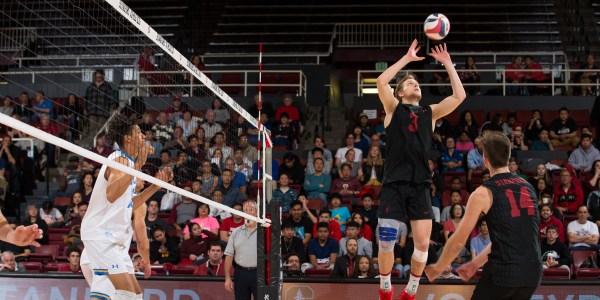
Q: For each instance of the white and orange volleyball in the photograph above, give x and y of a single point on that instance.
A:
(436, 27)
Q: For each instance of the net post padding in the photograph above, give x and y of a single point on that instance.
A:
(48, 138)
(269, 263)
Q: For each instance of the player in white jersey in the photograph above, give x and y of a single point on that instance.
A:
(104, 228)
(101, 282)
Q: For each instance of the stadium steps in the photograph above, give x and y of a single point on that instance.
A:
(340, 125)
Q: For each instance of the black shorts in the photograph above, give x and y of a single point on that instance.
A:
(405, 201)
(487, 289)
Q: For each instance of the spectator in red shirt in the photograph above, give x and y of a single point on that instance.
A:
(231, 223)
(292, 111)
(214, 266)
(567, 196)
(537, 76)
(513, 76)
(73, 256)
(334, 228)
(347, 186)
(547, 219)
(365, 230)
(50, 128)
(101, 148)
(455, 184)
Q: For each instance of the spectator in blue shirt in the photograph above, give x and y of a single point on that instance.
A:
(452, 160)
(479, 242)
(322, 250)
(231, 194)
(317, 185)
(41, 106)
(475, 159)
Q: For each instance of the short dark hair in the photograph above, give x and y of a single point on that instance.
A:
(287, 224)
(324, 211)
(165, 151)
(496, 148)
(552, 227)
(352, 224)
(73, 249)
(322, 225)
(586, 135)
(315, 150)
(215, 244)
(563, 108)
(546, 205)
(335, 196)
(295, 202)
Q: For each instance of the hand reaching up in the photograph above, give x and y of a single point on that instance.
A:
(440, 53)
(411, 54)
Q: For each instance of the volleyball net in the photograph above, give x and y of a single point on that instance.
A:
(82, 62)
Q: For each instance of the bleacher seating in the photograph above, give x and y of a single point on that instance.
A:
(302, 27)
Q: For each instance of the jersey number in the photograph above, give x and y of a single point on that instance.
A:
(524, 201)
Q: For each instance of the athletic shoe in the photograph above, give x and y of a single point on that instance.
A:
(406, 296)
(383, 295)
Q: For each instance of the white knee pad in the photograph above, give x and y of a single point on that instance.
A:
(124, 295)
(387, 231)
(420, 256)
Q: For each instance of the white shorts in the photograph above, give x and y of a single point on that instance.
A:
(95, 269)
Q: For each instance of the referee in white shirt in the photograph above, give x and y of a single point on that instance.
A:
(241, 248)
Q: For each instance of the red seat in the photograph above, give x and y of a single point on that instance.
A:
(579, 256)
(231, 78)
(269, 79)
(550, 115)
(59, 230)
(51, 267)
(556, 273)
(524, 116)
(183, 270)
(502, 112)
(158, 269)
(581, 117)
(32, 267)
(44, 253)
(377, 191)
(476, 181)
(318, 273)
(292, 79)
(315, 203)
(448, 178)
(62, 201)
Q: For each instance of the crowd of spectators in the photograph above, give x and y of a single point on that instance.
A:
(328, 197)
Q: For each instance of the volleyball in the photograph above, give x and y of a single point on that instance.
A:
(436, 27)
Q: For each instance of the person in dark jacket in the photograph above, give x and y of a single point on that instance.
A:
(555, 253)
(344, 265)
(164, 248)
(195, 249)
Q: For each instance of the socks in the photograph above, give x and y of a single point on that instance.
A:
(385, 283)
(413, 284)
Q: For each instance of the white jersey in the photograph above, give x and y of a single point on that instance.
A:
(105, 221)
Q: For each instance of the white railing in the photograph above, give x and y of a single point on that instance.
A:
(316, 55)
(377, 34)
(557, 57)
(15, 39)
(245, 84)
(79, 58)
(559, 78)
